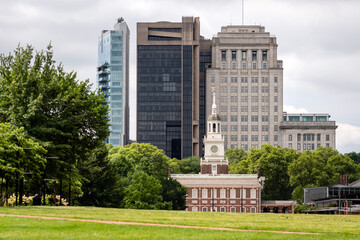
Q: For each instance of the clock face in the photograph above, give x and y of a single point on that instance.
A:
(214, 148)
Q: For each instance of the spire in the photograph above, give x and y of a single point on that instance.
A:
(213, 111)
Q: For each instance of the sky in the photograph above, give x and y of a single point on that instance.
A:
(318, 41)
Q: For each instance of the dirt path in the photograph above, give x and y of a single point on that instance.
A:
(155, 224)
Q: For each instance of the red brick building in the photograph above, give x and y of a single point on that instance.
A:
(214, 189)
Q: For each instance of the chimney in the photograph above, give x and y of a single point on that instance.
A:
(344, 179)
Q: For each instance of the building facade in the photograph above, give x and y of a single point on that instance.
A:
(113, 79)
(214, 189)
(307, 131)
(168, 86)
(249, 82)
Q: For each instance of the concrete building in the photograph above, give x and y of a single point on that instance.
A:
(168, 86)
(214, 189)
(307, 131)
(249, 82)
(113, 79)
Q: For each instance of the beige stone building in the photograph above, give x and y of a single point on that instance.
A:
(249, 82)
(307, 131)
(214, 189)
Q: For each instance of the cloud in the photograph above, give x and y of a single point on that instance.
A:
(347, 138)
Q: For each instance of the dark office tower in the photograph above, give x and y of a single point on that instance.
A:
(205, 63)
(168, 86)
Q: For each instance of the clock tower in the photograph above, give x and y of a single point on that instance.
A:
(214, 161)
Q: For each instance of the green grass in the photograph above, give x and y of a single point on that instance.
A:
(331, 226)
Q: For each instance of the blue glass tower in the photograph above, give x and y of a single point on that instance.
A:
(113, 79)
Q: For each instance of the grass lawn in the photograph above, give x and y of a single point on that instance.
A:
(331, 226)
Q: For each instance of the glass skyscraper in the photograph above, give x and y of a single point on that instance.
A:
(113, 79)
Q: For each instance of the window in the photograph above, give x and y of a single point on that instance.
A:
(275, 79)
(312, 146)
(275, 98)
(222, 193)
(264, 66)
(290, 145)
(275, 118)
(254, 66)
(265, 138)
(275, 108)
(194, 193)
(233, 79)
(243, 55)
(254, 108)
(233, 55)
(233, 128)
(264, 55)
(253, 210)
(276, 128)
(244, 137)
(244, 108)
(254, 138)
(232, 209)
(264, 118)
(204, 193)
(244, 193)
(233, 66)
(234, 137)
(244, 128)
(212, 79)
(244, 66)
(234, 98)
(194, 209)
(244, 89)
(318, 136)
(204, 209)
(265, 128)
(232, 193)
(222, 209)
(234, 118)
(234, 108)
(254, 128)
(243, 79)
(290, 137)
(244, 98)
(223, 55)
(223, 79)
(223, 89)
(253, 193)
(214, 169)
(264, 80)
(299, 137)
(327, 137)
(254, 118)
(254, 80)
(318, 145)
(234, 89)
(223, 127)
(264, 89)
(276, 89)
(254, 89)
(253, 55)
(299, 146)
(275, 138)
(223, 108)
(244, 118)
(223, 66)
(328, 145)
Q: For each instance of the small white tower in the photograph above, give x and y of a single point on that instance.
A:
(214, 161)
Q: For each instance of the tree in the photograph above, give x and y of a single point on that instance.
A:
(175, 193)
(101, 183)
(190, 165)
(273, 163)
(235, 155)
(144, 192)
(19, 154)
(354, 156)
(53, 107)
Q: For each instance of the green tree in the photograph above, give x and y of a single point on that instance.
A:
(101, 183)
(190, 165)
(175, 193)
(273, 163)
(235, 155)
(144, 192)
(54, 108)
(354, 156)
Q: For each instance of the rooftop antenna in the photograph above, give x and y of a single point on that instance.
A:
(242, 12)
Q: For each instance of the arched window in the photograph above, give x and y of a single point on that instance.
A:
(218, 127)
(209, 127)
(214, 127)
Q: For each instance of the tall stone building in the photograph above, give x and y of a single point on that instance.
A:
(113, 79)
(249, 82)
(168, 86)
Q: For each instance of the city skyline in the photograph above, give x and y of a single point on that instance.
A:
(317, 43)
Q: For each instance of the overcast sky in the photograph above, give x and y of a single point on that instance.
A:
(319, 43)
